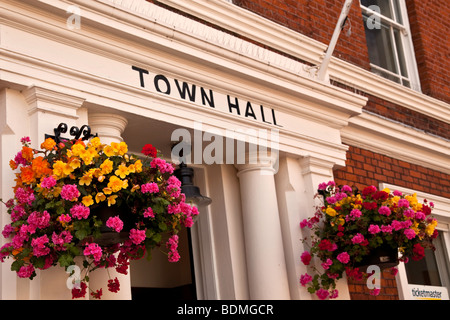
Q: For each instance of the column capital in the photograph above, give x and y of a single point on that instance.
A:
(313, 165)
(50, 101)
(263, 161)
(109, 126)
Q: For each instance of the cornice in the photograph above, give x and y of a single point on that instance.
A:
(379, 135)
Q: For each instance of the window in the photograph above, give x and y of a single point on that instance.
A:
(428, 278)
(389, 41)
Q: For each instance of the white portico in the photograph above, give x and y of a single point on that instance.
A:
(140, 72)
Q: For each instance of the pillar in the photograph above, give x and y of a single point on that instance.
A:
(266, 265)
(46, 109)
(109, 128)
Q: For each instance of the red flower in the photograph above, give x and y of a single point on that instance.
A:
(380, 195)
(306, 258)
(418, 252)
(113, 285)
(149, 150)
(370, 205)
(97, 294)
(325, 244)
(79, 292)
(369, 190)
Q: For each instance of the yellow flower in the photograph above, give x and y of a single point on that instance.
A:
(119, 148)
(87, 201)
(88, 155)
(107, 190)
(77, 149)
(135, 187)
(138, 166)
(107, 166)
(131, 168)
(122, 171)
(116, 184)
(109, 151)
(100, 197)
(86, 179)
(331, 212)
(95, 142)
(61, 169)
(74, 163)
(112, 200)
(429, 230)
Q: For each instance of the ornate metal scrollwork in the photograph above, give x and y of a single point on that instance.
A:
(84, 132)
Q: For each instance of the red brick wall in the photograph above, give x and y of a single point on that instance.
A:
(317, 20)
(365, 168)
(388, 288)
(431, 38)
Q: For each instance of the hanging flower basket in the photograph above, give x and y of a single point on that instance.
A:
(353, 230)
(92, 200)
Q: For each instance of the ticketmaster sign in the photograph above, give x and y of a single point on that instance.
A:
(418, 292)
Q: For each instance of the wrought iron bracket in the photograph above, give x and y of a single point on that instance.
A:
(84, 132)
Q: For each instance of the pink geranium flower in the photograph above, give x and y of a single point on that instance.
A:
(115, 223)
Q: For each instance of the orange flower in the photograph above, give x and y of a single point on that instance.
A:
(41, 167)
(27, 153)
(27, 175)
(13, 164)
(48, 144)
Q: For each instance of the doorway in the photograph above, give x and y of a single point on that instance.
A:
(159, 279)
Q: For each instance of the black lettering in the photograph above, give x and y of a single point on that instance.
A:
(205, 97)
(233, 106)
(262, 115)
(275, 119)
(249, 111)
(182, 91)
(165, 80)
(141, 74)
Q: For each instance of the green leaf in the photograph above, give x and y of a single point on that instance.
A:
(81, 234)
(16, 265)
(157, 238)
(39, 262)
(65, 260)
(162, 226)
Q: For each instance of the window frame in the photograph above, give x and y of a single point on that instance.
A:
(406, 43)
(441, 212)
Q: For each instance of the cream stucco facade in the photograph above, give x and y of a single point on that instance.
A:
(137, 72)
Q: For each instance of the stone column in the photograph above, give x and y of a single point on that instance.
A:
(266, 266)
(109, 128)
(46, 110)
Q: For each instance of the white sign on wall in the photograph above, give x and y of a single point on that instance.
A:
(420, 292)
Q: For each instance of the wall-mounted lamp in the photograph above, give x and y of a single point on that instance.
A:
(192, 192)
(186, 175)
